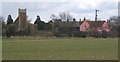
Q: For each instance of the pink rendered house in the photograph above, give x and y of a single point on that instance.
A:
(88, 25)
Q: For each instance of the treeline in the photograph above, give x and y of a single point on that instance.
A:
(114, 25)
(52, 28)
(83, 34)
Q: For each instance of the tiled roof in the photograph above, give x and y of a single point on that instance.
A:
(96, 23)
(17, 20)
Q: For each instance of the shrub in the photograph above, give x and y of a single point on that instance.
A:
(80, 34)
(96, 34)
(83, 34)
(104, 34)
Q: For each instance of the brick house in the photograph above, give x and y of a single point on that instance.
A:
(88, 26)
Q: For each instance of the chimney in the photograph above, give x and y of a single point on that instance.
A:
(74, 19)
(67, 20)
(80, 21)
(84, 19)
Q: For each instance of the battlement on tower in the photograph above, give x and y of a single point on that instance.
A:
(22, 10)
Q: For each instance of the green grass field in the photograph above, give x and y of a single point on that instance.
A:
(60, 49)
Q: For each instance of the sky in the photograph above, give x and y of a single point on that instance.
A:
(119, 8)
(45, 8)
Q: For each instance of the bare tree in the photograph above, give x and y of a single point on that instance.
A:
(115, 19)
(65, 16)
(61, 23)
(53, 17)
(115, 24)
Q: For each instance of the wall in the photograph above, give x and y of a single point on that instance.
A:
(82, 28)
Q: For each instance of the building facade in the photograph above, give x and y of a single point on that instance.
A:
(88, 26)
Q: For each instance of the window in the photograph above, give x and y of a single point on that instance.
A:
(105, 27)
(85, 26)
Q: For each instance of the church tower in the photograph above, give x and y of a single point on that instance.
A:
(22, 18)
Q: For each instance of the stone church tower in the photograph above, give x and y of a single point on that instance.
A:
(21, 20)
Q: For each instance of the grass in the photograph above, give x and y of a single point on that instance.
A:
(60, 49)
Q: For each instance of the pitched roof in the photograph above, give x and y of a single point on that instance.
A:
(17, 20)
(93, 23)
(84, 20)
(96, 23)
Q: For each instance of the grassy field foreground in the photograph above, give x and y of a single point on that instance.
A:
(60, 49)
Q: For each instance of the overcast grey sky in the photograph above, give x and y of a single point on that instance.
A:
(77, 8)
